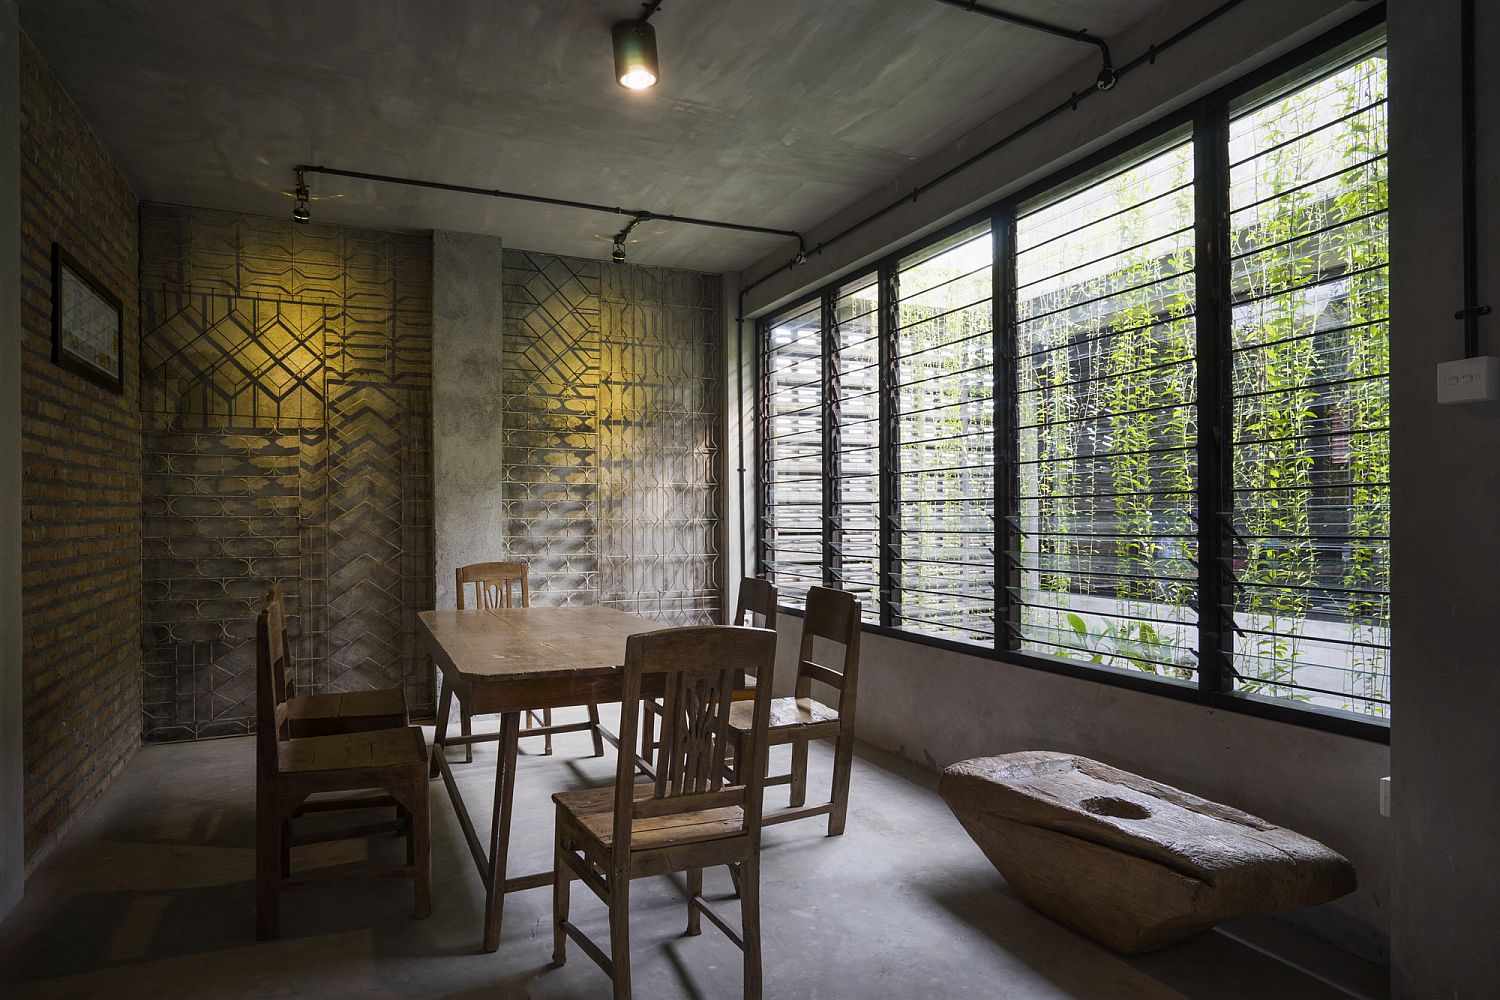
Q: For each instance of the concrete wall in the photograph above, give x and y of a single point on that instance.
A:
(468, 428)
(12, 838)
(1445, 749)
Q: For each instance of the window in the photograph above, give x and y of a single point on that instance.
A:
(792, 453)
(856, 546)
(944, 519)
(1311, 391)
(1132, 424)
(1106, 344)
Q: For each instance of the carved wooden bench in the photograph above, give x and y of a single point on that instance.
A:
(1132, 863)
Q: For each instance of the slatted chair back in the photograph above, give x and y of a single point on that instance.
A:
(496, 585)
(697, 667)
(833, 615)
(273, 672)
(757, 603)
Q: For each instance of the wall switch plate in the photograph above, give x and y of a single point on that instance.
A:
(1471, 380)
(1385, 797)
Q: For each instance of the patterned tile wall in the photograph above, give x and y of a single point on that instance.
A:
(612, 434)
(286, 425)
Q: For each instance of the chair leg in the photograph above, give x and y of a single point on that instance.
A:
(419, 850)
(799, 773)
(749, 885)
(562, 879)
(843, 763)
(547, 740)
(267, 865)
(619, 934)
(468, 730)
(594, 732)
(695, 889)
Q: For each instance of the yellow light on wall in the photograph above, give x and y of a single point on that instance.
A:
(635, 55)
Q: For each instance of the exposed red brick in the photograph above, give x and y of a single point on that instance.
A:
(81, 492)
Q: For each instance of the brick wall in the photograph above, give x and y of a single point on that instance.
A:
(81, 496)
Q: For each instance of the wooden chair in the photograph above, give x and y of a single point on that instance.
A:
(686, 819)
(835, 616)
(337, 712)
(495, 586)
(291, 769)
(755, 607)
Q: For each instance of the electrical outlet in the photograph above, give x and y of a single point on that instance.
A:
(1471, 380)
(1385, 797)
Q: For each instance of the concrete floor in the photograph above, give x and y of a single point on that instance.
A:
(151, 896)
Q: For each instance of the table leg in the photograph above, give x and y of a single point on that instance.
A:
(505, 791)
(440, 732)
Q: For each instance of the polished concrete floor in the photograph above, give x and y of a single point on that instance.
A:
(150, 895)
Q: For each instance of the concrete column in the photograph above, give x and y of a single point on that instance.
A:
(12, 838)
(738, 505)
(467, 364)
(1445, 468)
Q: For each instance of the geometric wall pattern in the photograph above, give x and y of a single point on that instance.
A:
(286, 423)
(612, 402)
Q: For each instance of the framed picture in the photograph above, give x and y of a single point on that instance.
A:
(86, 324)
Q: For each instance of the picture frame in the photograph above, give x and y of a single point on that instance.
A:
(87, 324)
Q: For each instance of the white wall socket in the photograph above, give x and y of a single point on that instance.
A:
(1471, 380)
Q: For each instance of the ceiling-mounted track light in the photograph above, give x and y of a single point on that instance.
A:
(300, 213)
(636, 66)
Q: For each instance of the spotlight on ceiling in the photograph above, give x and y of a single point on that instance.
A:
(300, 212)
(635, 54)
(618, 256)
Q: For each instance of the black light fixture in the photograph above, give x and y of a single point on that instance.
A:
(636, 66)
(618, 256)
(300, 213)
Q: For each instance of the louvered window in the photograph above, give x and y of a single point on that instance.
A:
(1177, 466)
(944, 454)
(792, 453)
(856, 412)
(1106, 421)
(1311, 391)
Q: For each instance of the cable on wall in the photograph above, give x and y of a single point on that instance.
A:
(637, 215)
(1070, 104)
(1107, 76)
(1471, 310)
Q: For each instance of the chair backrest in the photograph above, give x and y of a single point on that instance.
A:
(833, 615)
(273, 678)
(757, 601)
(495, 584)
(693, 670)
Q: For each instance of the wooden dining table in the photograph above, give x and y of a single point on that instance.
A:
(507, 661)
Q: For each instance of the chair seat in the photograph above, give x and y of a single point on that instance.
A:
(786, 714)
(346, 712)
(593, 809)
(349, 751)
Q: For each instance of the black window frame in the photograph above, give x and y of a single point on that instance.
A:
(1207, 121)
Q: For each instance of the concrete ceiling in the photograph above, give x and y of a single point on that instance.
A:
(770, 112)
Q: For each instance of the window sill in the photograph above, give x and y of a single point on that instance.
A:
(1311, 717)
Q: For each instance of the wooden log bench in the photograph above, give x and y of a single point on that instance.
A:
(1132, 863)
